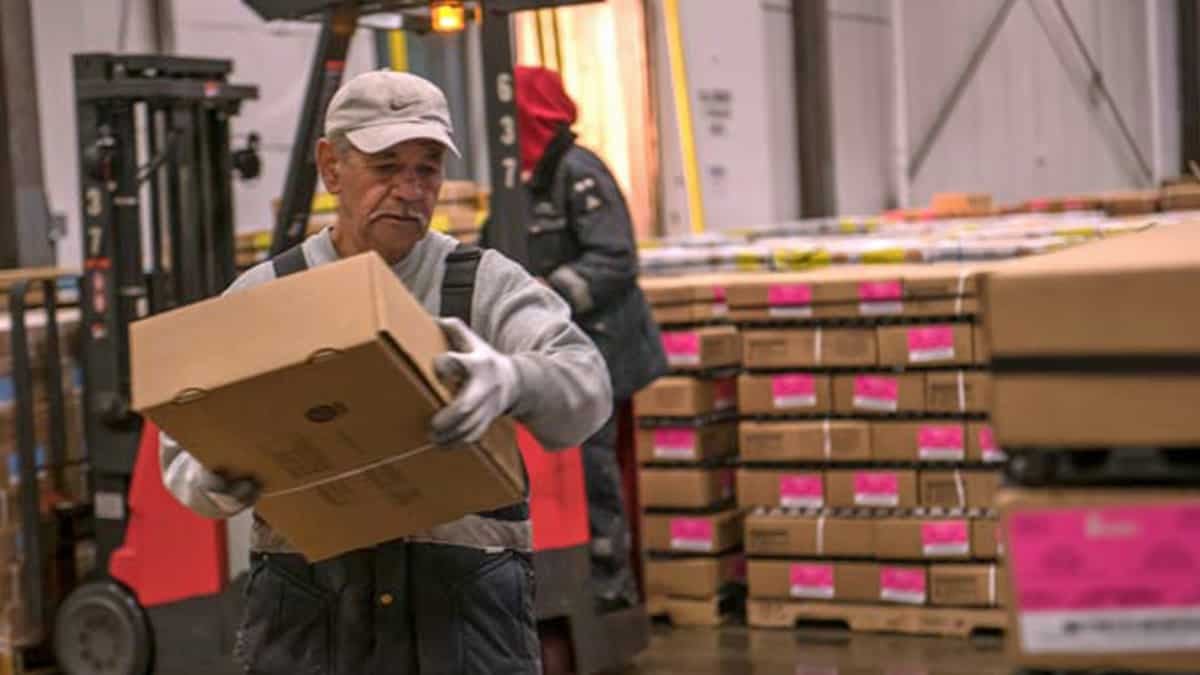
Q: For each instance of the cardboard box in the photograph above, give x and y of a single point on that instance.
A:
(879, 393)
(959, 488)
(1181, 197)
(1103, 578)
(349, 376)
(679, 396)
(694, 612)
(882, 488)
(809, 441)
(686, 443)
(791, 488)
(965, 204)
(694, 533)
(702, 348)
(809, 348)
(1131, 203)
(695, 312)
(958, 392)
(924, 441)
(1096, 409)
(835, 284)
(694, 288)
(693, 577)
(813, 580)
(784, 393)
(981, 350)
(942, 280)
(965, 586)
(820, 536)
(922, 538)
(982, 446)
(947, 344)
(902, 584)
(684, 488)
(1121, 296)
(985, 539)
(942, 307)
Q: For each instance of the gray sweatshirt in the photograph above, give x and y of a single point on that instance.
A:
(565, 393)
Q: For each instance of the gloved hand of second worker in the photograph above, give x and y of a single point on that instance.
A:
(489, 385)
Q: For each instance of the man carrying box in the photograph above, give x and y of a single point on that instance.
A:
(459, 597)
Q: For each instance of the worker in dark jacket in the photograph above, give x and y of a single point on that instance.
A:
(581, 244)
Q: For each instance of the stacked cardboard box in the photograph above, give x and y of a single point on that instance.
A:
(1095, 398)
(864, 450)
(686, 445)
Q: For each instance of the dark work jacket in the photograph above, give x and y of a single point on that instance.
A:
(581, 241)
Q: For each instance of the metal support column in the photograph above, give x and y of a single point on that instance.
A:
(25, 239)
(814, 109)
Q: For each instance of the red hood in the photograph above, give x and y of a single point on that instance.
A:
(542, 107)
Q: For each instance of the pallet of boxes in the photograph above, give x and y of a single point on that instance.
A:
(866, 460)
(691, 530)
(1096, 389)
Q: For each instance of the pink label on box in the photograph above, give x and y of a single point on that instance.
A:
(727, 483)
(801, 491)
(900, 584)
(930, 343)
(1106, 579)
(724, 394)
(794, 391)
(942, 442)
(719, 294)
(876, 488)
(872, 392)
(786, 295)
(675, 444)
(987, 444)
(880, 291)
(682, 348)
(691, 534)
(946, 538)
(811, 580)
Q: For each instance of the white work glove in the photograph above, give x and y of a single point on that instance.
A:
(489, 385)
(230, 493)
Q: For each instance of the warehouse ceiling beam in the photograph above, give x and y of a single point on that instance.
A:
(960, 87)
(814, 109)
(25, 222)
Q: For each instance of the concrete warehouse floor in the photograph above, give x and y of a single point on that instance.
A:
(739, 651)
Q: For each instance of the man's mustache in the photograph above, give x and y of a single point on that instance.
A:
(400, 214)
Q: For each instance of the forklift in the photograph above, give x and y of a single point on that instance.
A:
(160, 597)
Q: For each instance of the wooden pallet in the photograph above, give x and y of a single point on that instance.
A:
(939, 621)
(690, 612)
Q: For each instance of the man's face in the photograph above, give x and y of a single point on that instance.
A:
(385, 200)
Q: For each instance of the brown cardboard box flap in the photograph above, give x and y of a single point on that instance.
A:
(349, 380)
(693, 577)
(685, 488)
(1127, 295)
(680, 396)
(805, 441)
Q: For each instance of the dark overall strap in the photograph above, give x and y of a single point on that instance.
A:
(290, 261)
(458, 293)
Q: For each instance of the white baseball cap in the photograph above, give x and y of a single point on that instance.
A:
(379, 109)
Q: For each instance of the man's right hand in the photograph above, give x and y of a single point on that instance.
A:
(231, 491)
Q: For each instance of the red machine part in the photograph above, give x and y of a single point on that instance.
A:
(170, 553)
(557, 501)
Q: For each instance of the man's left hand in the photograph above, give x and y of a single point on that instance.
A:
(489, 385)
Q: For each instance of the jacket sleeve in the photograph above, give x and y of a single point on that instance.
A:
(565, 390)
(599, 218)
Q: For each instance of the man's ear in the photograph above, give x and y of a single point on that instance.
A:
(329, 166)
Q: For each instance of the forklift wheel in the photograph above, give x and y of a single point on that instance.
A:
(101, 630)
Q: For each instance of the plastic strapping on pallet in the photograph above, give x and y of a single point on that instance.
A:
(821, 535)
(992, 585)
(817, 347)
(962, 392)
(828, 442)
(961, 489)
(962, 288)
(351, 473)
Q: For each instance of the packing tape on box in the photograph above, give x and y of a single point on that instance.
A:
(352, 472)
(992, 585)
(817, 347)
(962, 392)
(962, 289)
(961, 489)
(828, 442)
(821, 535)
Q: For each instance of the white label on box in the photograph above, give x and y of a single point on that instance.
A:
(793, 312)
(880, 308)
(1111, 631)
(720, 309)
